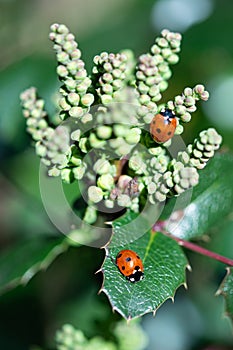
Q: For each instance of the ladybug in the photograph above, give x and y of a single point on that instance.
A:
(130, 265)
(163, 125)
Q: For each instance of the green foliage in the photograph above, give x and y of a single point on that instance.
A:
(226, 289)
(164, 268)
(210, 201)
(34, 255)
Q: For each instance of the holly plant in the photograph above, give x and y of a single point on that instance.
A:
(138, 186)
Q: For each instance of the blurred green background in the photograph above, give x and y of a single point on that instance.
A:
(64, 293)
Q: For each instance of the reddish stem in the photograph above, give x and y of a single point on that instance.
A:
(200, 250)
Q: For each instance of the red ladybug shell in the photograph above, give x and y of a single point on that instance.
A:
(163, 126)
(130, 265)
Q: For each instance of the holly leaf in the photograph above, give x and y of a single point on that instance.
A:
(164, 271)
(22, 261)
(194, 212)
(226, 289)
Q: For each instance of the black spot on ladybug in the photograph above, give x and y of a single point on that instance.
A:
(153, 121)
(137, 268)
(119, 255)
(158, 130)
(123, 267)
(138, 257)
(128, 259)
(169, 133)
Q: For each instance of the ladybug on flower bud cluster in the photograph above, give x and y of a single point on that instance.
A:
(163, 125)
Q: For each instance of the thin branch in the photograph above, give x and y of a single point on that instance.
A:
(196, 248)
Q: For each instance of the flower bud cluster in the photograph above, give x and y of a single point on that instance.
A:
(36, 116)
(52, 144)
(114, 131)
(185, 104)
(203, 148)
(69, 338)
(109, 75)
(156, 161)
(153, 71)
(110, 190)
(173, 182)
(76, 100)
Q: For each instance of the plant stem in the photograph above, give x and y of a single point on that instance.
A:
(196, 248)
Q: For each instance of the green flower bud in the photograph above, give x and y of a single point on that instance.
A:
(87, 100)
(109, 203)
(188, 91)
(104, 132)
(154, 90)
(106, 182)
(83, 144)
(166, 52)
(151, 188)
(70, 84)
(140, 75)
(199, 89)
(73, 98)
(123, 200)
(120, 130)
(143, 88)
(75, 135)
(95, 142)
(76, 161)
(41, 150)
(179, 129)
(133, 136)
(54, 172)
(107, 89)
(86, 118)
(90, 217)
(81, 88)
(67, 175)
(62, 71)
(144, 99)
(108, 78)
(173, 59)
(80, 77)
(160, 197)
(149, 116)
(102, 166)
(142, 111)
(163, 85)
(95, 194)
(79, 171)
(124, 149)
(137, 164)
(76, 112)
(63, 104)
(62, 57)
(189, 101)
(156, 98)
(105, 99)
(186, 117)
(75, 54)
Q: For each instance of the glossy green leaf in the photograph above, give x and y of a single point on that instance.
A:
(164, 271)
(226, 289)
(193, 213)
(23, 261)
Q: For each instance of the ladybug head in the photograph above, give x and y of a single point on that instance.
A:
(167, 113)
